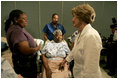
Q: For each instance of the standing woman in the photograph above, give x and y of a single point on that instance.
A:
(87, 47)
(22, 45)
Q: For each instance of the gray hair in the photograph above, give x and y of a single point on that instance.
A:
(56, 32)
(84, 12)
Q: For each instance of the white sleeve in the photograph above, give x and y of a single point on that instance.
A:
(69, 58)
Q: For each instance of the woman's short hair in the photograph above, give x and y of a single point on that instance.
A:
(56, 32)
(84, 12)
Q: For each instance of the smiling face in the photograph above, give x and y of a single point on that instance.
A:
(76, 21)
(22, 20)
(58, 37)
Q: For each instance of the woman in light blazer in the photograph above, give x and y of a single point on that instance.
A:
(87, 47)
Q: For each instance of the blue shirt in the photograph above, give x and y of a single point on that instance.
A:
(49, 29)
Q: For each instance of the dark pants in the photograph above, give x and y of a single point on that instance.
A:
(112, 58)
(27, 67)
(71, 67)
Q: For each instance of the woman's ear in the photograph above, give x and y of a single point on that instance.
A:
(15, 20)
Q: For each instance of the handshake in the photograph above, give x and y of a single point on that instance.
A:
(62, 65)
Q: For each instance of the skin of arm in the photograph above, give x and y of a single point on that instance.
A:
(46, 66)
(26, 49)
(45, 36)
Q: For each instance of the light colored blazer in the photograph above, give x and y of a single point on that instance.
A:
(86, 54)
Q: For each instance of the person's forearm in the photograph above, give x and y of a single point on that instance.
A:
(29, 51)
(45, 37)
(45, 63)
(26, 49)
(46, 66)
(35, 49)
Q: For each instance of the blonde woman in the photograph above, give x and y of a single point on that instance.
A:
(87, 47)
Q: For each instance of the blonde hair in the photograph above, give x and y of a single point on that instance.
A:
(56, 32)
(84, 12)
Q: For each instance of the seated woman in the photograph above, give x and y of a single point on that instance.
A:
(53, 54)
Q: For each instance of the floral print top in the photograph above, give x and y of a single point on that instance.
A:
(53, 50)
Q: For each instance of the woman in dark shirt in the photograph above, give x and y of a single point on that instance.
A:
(22, 45)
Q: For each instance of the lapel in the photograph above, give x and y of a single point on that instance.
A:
(84, 31)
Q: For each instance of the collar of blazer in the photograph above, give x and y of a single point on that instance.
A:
(84, 31)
